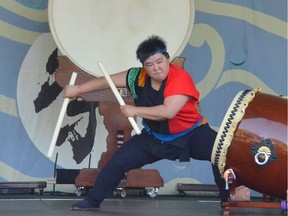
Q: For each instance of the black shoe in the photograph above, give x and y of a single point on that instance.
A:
(222, 205)
(224, 200)
(225, 197)
(84, 206)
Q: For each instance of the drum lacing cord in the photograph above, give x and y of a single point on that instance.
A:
(228, 124)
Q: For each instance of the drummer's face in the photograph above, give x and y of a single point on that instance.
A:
(157, 67)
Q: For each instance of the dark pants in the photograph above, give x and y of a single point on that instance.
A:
(143, 149)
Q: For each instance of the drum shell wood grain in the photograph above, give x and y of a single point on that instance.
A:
(265, 118)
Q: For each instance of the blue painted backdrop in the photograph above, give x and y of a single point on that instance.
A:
(234, 45)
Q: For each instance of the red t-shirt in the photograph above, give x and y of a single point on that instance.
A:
(178, 82)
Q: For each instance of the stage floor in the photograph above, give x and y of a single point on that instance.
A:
(36, 205)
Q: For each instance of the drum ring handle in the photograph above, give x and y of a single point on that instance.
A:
(261, 154)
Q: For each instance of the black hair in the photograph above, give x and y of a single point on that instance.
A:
(153, 45)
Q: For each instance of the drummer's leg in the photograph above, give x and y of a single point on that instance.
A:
(201, 144)
(130, 156)
(201, 149)
(224, 194)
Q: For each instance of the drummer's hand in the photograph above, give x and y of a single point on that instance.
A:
(71, 91)
(128, 110)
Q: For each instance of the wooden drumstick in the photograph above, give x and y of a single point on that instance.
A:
(60, 118)
(118, 96)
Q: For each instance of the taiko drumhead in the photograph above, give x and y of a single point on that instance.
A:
(110, 30)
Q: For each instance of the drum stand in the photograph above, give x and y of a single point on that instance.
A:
(266, 202)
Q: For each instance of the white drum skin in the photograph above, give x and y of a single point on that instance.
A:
(109, 31)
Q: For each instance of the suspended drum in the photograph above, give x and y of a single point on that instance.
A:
(252, 141)
(109, 31)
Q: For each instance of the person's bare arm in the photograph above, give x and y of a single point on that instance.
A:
(172, 105)
(95, 84)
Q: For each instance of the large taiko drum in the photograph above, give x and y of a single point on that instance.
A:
(109, 31)
(252, 140)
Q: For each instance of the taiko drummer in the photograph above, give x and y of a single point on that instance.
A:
(167, 100)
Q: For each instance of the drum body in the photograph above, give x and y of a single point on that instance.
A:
(252, 141)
